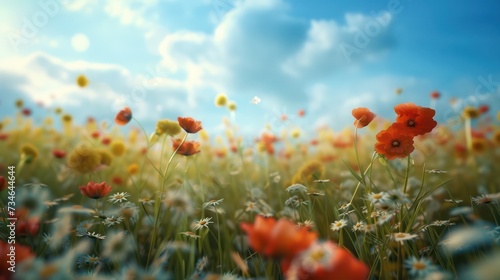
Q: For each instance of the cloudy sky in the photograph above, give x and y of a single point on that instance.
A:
(169, 58)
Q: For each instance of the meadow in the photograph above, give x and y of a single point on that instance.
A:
(401, 198)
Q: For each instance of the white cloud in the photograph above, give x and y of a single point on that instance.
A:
(260, 49)
(43, 78)
(130, 12)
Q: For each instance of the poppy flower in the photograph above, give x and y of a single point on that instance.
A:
(414, 120)
(363, 117)
(187, 148)
(189, 125)
(393, 144)
(22, 253)
(58, 153)
(95, 134)
(106, 141)
(27, 226)
(301, 113)
(325, 261)
(95, 190)
(3, 183)
(435, 95)
(26, 112)
(280, 238)
(124, 116)
(483, 109)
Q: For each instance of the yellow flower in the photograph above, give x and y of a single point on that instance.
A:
(204, 135)
(167, 126)
(470, 112)
(106, 157)
(295, 133)
(82, 81)
(67, 118)
(117, 148)
(479, 145)
(231, 106)
(496, 137)
(19, 103)
(29, 152)
(220, 100)
(84, 159)
(48, 121)
(133, 169)
(58, 110)
(308, 172)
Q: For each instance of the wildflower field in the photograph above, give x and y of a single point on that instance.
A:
(401, 198)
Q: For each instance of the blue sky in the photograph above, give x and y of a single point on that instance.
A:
(169, 58)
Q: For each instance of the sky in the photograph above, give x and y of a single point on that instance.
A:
(170, 58)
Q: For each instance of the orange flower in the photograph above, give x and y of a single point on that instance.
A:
(414, 120)
(393, 144)
(58, 153)
(124, 116)
(95, 190)
(435, 95)
(278, 239)
(188, 148)
(259, 232)
(189, 124)
(325, 261)
(363, 116)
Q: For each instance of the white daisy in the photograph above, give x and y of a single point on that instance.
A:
(202, 223)
(338, 225)
(119, 197)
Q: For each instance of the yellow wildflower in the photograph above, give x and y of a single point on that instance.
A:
(84, 159)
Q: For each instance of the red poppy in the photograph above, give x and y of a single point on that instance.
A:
(27, 226)
(106, 140)
(3, 183)
(188, 148)
(95, 190)
(20, 253)
(414, 120)
(277, 238)
(301, 113)
(4, 136)
(326, 261)
(393, 144)
(483, 109)
(363, 116)
(124, 116)
(460, 151)
(233, 148)
(117, 180)
(189, 124)
(435, 95)
(58, 153)
(26, 112)
(268, 138)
